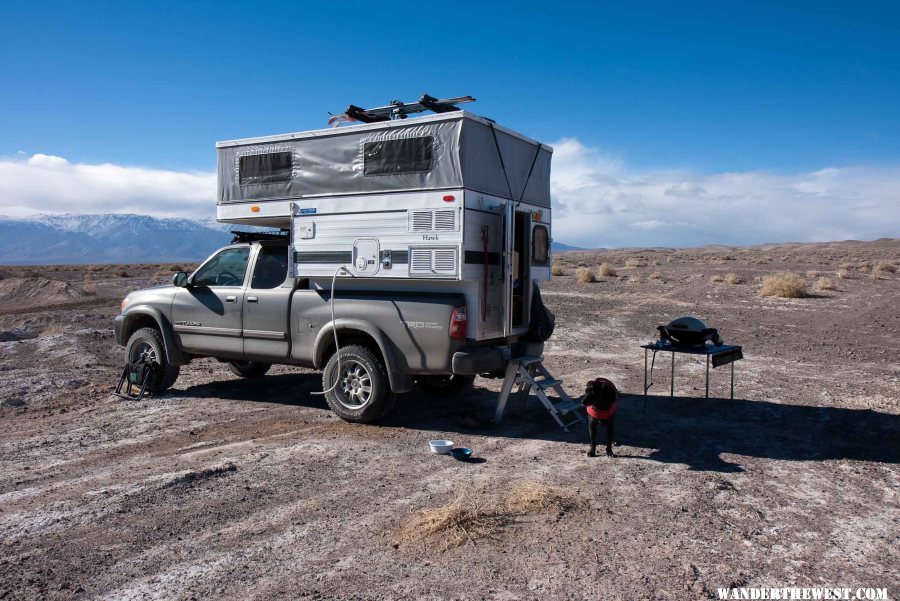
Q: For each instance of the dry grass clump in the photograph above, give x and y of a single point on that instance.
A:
(655, 276)
(824, 283)
(538, 496)
(784, 284)
(466, 518)
(716, 279)
(843, 274)
(606, 270)
(882, 268)
(558, 268)
(635, 262)
(585, 275)
(732, 279)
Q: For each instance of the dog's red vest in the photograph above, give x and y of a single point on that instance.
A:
(598, 413)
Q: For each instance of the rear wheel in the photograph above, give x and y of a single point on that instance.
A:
(446, 386)
(147, 344)
(249, 369)
(357, 389)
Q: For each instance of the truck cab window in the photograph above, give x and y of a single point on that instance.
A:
(225, 269)
(271, 267)
(540, 245)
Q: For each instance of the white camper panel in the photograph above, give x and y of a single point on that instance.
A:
(388, 236)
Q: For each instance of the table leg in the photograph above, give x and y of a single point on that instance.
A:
(707, 376)
(645, 378)
(732, 380)
(672, 380)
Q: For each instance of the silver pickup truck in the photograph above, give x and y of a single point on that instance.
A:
(242, 306)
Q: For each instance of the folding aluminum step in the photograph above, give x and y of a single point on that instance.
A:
(530, 375)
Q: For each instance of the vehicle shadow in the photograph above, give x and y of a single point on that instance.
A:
(283, 389)
(704, 434)
(701, 433)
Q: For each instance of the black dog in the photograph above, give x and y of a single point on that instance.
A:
(600, 401)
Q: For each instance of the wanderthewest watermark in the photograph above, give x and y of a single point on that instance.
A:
(789, 593)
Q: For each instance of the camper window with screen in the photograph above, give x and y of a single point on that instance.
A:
(540, 245)
(266, 168)
(406, 155)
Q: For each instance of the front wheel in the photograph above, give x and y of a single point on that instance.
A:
(357, 390)
(249, 369)
(147, 344)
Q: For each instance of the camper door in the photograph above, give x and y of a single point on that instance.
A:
(518, 269)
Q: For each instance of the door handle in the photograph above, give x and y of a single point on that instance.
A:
(230, 299)
(252, 299)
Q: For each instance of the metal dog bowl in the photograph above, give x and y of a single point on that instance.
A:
(461, 453)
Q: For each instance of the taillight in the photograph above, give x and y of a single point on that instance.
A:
(458, 323)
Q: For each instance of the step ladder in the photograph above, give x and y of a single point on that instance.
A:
(529, 374)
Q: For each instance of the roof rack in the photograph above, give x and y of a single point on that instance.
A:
(398, 110)
(241, 237)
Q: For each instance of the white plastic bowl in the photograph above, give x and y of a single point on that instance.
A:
(440, 446)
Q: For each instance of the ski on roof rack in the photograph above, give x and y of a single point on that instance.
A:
(398, 110)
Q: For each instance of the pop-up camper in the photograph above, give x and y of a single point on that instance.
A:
(446, 202)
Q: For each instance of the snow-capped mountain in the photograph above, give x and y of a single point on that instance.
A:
(112, 238)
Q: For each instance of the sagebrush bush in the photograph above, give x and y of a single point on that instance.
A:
(585, 275)
(732, 279)
(558, 268)
(882, 268)
(635, 262)
(784, 284)
(606, 270)
(824, 283)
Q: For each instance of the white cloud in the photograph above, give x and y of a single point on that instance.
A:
(599, 201)
(43, 183)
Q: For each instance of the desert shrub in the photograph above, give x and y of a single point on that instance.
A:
(585, 275)
(843, 274)
(635, 262)
(174, 268)
(655, 276)
(784, 284)
(123, 274)
(634, 280)
(558, 268)
(732, 279)
(824, 283)
(716, 279)
(537, 496)
(882, 268)
(606, 270)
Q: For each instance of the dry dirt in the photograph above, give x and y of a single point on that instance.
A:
(252, 489)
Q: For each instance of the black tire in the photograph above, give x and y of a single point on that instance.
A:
(446, 386)
(249, 369)
(150, 340)
(369, 398)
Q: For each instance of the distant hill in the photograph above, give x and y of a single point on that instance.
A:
(71, 238)
(560, 246)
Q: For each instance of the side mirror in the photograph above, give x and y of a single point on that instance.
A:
(180, 279)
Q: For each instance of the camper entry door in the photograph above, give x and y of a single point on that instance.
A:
(518, 269)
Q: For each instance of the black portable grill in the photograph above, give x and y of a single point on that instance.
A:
(688, 331)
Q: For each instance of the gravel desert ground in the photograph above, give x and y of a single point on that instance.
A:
(236, 489)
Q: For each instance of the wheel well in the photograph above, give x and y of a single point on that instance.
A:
(139, 321)
(347, 337)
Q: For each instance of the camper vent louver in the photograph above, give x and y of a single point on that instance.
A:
(436, 220)
(432, 261)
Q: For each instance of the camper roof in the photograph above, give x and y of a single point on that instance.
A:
(336, 131)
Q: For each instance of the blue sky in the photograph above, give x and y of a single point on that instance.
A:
(699, 88)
